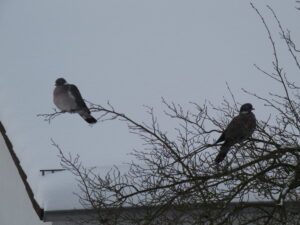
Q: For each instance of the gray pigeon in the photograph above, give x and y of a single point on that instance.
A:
(239, 129)
(68, 99)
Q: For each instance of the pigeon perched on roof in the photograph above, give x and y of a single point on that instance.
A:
(240, 128)
(68, 99)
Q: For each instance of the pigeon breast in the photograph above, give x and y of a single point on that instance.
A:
(64, 100)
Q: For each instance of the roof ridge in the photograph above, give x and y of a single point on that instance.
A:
(36, 206)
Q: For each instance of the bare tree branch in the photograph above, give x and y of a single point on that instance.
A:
(174, 180)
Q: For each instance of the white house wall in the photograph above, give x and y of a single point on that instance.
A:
(15, 205)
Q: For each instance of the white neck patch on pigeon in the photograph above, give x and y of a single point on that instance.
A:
(244, 112)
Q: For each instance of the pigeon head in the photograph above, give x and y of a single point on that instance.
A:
(60, 82)
(246, 108)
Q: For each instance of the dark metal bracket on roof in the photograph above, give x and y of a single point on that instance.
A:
(50, 171)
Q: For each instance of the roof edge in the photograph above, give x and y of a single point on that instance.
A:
(36, 206)
(71, 214)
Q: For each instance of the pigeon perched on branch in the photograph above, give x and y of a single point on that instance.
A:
(68, 99)
(239, 129)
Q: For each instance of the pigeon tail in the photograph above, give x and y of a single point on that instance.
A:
(223, 152)
(221, 138)
(86, 115)
(90, 120)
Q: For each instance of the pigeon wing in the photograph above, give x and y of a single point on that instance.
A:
(236, 129)
(230, 130)
(74, 93)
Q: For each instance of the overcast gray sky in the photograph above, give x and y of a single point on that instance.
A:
(131, 53)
